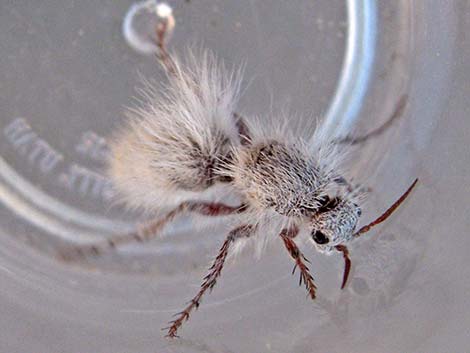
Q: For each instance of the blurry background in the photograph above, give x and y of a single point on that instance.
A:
(66, 74)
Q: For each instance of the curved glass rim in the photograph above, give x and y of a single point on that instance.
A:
(53, 215)
(356, 71)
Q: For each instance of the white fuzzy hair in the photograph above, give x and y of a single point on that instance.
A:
(293, 170)
(159, 157)
(295, 175)
(183, 138)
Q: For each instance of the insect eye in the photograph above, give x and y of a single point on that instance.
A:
(319, 237)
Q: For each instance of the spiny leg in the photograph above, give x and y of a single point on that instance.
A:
(388, 212)
(162, 31)
(347, 263)
(287, 236)
(210, 279)
(398, 112)
(149, 230)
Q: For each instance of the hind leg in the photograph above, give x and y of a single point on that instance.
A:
(148, 231)
(162, 31)
(397, 113)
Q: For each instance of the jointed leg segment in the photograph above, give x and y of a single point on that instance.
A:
(150, 230)
(162, 31)
(397, 113)
(287, 235)
(210, 280)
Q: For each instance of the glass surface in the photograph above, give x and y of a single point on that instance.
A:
(66, 76)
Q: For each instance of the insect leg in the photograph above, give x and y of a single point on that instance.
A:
(210, 279)
(347, 263)
(150, 230)
(398, 112)
(287, 236)
(162, 30)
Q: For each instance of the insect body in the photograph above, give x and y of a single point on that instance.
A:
(187, 138)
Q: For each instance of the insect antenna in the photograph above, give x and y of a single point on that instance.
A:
(347, 263)
(387, 213)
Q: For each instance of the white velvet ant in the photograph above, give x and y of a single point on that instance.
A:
(186, 138)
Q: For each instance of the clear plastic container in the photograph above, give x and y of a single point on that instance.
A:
(66, 74)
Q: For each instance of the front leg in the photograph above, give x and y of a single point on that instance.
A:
(287, 235)
(210, 279)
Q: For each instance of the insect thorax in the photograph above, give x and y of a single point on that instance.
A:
(281, 177)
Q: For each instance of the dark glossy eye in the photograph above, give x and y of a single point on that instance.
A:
(319, 238)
